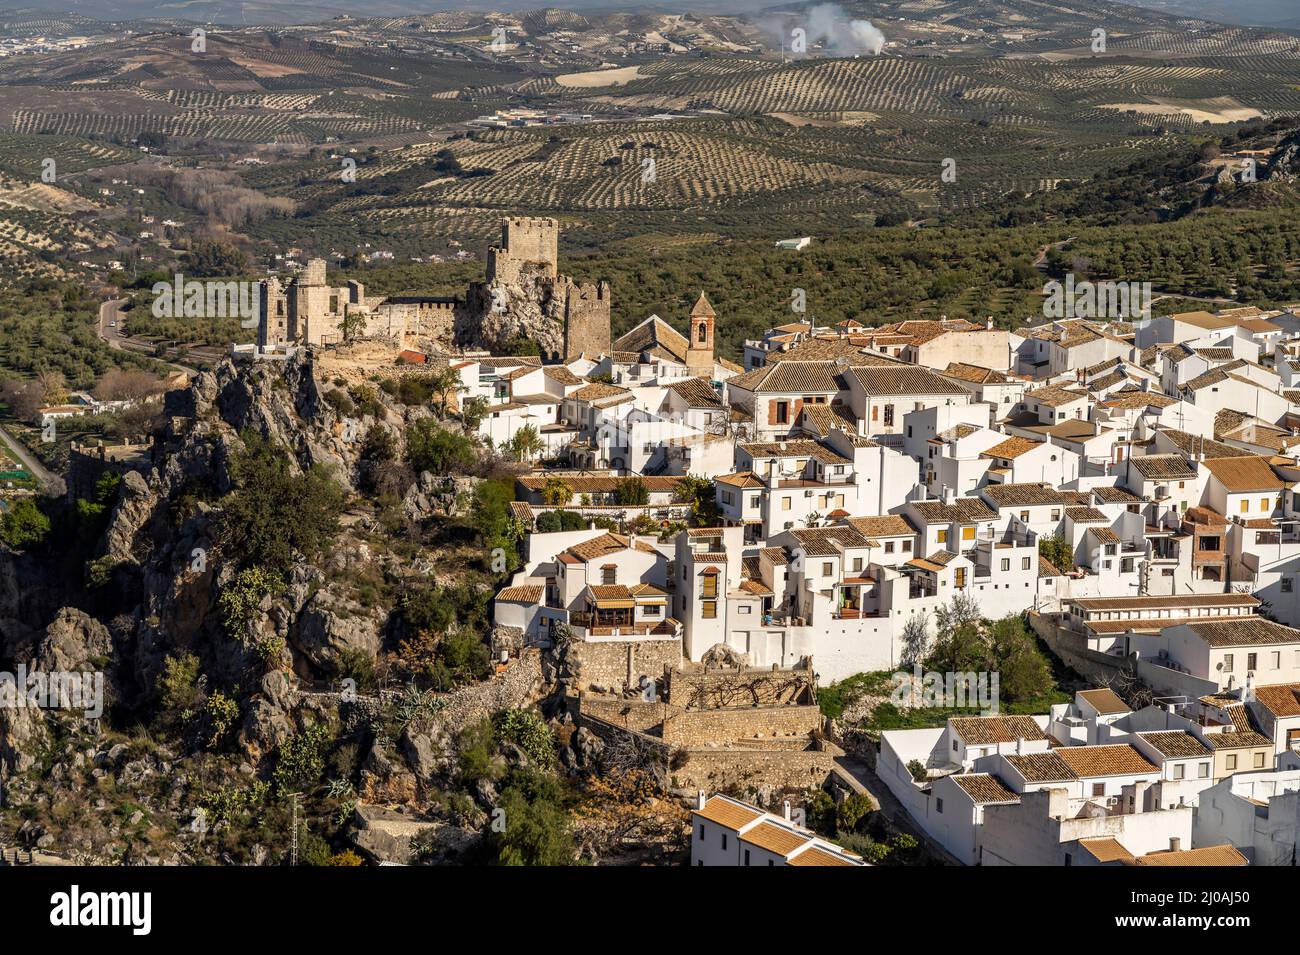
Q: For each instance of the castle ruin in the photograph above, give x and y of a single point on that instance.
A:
(524, 297)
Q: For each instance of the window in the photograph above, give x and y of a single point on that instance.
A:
(943, 536)
(1265, 504)
(1203, 771)
(724, 840)
(701, 832)
(782, 412)
(1245, 506)
(1024, 563)
(651, 610)
(828, 568)
(1179, 771)
(609, 575)
(709, 609)
(1286, 585)
(938, 805)
(959, 577)
(889, 547)
(1230, 762)
(1056, 513)
(1024, 516)
(1276, 662)
(907, 549)
(1259, 760)
(708, 585)
(968, 533)
(857, 563)
(1006, 564)
(702, 336)
(875, 412)
(746, 851)
(954, 746)
(1252, 661)
(1227, 663)
(785, 504)
(1099, 789)
(889, 416)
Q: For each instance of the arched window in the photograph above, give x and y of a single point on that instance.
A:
(704, 333)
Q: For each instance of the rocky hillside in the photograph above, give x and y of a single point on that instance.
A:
(292, 599)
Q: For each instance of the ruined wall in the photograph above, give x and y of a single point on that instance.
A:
(617, 665)
(696, 728)
(711, 770)
(587, 320)
(636, 715)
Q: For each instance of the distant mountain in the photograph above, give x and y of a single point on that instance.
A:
(1279, 14)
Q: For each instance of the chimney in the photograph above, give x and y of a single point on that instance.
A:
(700, 799)
(781, 444)
(786, 810)
(949, 495)
(1020, 746)
(1248, 693)
(1175, 843)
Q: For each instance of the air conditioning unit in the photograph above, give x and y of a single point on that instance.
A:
(808, 493)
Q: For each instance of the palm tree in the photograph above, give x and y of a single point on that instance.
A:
(557, 491)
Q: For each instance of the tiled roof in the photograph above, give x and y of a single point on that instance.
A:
(1041, 767)
(774, 838)
(1167, 603)
(1193, 444)
(611, 591)
(697, 393)
(1115, 495)
(524, 594)
(740, 479)
(656, 336)
(728, 812)
(775, 555)
(790, 377)
(1046, 568)
(964, 510)
(1224, 855)
(1105, 849)
(793, 449)
(1011, 448)
(589, 484)
(882, 381)
(1105, 701)
(1023, 495)
(1055, 396)
(982, 788)
(816, 855)
(975, 374)
(820, 541)
(1240, 739)
(1282, 699)
(823, 418)
(597, 390)
(979, 730)
(1157, 467)
(598, 547)
(1115, 760)
(1244, 632)
(1251, 473)
(1086, 515)
(889, 525)
(1176, 744)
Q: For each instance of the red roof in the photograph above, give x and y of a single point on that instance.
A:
(414, 357)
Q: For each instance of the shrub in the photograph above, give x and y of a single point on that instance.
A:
(24, 525)
(432, 448)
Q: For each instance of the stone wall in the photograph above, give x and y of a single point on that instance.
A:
(587, 320)
(704, 727)
(636, 715)
(714, 769)
(694, 685)
(617, 665)
(1069, 645)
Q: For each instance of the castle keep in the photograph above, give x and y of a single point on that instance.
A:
(524, 296)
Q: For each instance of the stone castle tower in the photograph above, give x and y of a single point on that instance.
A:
(699, 351)
(524, 297)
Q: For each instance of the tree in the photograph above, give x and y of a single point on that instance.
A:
(275, 513)
(536, 828)
(432, 448)
(525, 445)
(632, 492)
(699, 493)
(557, 491)
(1057, 552)
(23, 524)
(473, 411)
(444, 383)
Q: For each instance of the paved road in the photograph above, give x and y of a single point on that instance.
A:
(110, 330)
(23, 455)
